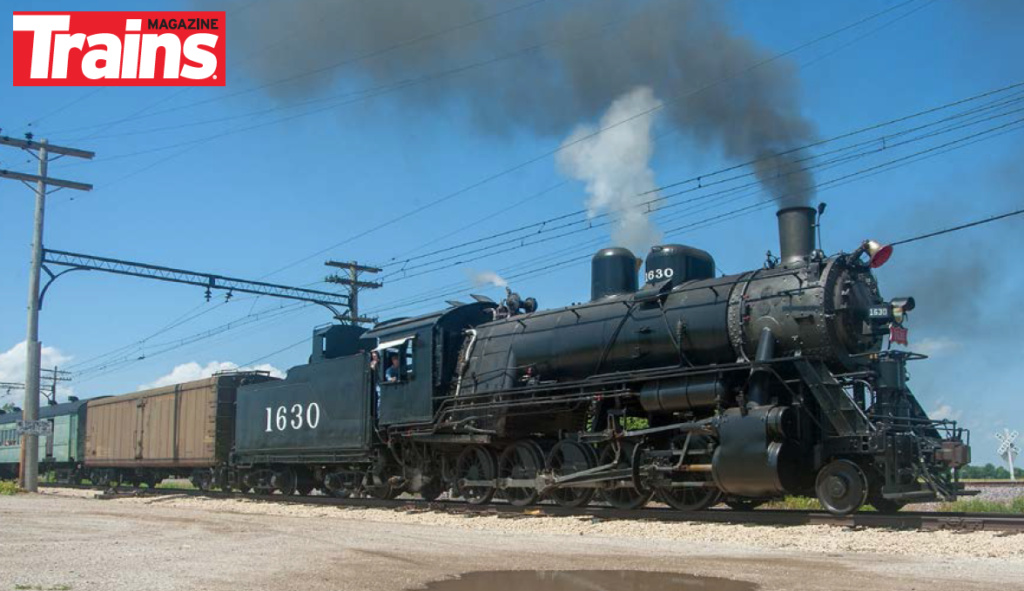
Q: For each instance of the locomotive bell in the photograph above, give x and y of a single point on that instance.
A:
(679, 263)
(878, 253)
(612, 272)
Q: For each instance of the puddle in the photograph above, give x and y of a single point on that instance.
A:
(585, 580)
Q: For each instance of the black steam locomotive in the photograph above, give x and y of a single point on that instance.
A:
(691, 387)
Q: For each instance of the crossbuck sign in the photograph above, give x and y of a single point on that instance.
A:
(1007, 448)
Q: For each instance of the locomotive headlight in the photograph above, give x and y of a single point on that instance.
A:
(900, 307)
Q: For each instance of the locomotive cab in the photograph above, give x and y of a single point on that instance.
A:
(425, 347)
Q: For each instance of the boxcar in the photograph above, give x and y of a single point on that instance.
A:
(61, 452)
(183, 430)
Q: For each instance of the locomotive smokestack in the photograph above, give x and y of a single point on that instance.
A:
(796, 234)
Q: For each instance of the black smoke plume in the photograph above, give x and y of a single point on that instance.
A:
(572, 59)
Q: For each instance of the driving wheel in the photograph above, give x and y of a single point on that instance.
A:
(566, 458)
(690, 486)
(621, 495)
(521, 461)
(475, 463)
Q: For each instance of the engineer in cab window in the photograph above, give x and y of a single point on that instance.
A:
(394, 372)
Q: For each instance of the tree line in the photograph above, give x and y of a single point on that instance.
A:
(989, 472)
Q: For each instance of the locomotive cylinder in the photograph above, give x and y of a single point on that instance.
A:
(796, 235)
(753, 459)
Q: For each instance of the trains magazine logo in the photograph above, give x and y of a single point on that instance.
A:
(119, 48)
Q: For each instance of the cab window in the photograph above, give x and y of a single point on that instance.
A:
(396, 362)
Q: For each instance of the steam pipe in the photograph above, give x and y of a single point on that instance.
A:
(759, 378)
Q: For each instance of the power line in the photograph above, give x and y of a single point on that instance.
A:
(279, 351)
(987, 220)
(362, 94)
(532, 239)
(545, 225)
(252, 319)
(561, 147)
(65, 106)
(340, 64)
(832, 183)
(802, 66)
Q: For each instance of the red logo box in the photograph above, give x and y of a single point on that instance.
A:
(119, 48)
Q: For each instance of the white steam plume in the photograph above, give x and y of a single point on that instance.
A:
(615, 165)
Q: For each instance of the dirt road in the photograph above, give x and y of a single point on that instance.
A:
(71, 542)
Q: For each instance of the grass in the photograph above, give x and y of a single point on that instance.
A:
(961, 506)
(983, 506)
(803, 504)
(9, 487)
(796, 503)
(175, 483)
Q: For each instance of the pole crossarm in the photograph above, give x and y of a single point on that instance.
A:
(11, 386)
(32, 145)
(349, 282)
(354, 285)
(35, 178)
(207, 280)
(353, 266)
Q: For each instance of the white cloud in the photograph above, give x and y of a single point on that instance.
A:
(12, 364)
(187, 372)
(482, 278)
(945, 411)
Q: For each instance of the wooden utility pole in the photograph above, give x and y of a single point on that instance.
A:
(354, 285)
(30, 427)
(54, 375)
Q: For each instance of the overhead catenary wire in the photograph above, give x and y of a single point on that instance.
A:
(277, 352)
(173, 344)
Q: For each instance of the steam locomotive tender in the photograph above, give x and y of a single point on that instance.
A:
(691, 387)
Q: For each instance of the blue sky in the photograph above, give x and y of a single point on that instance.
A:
(251, 202)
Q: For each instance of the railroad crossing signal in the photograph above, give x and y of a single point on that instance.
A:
(1007, 448)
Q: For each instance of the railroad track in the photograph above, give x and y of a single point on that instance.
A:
(919, 520)
(994, 483)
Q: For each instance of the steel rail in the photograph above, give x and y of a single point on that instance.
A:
(910, 520)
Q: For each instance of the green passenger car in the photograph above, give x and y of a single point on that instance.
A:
(61, 452)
